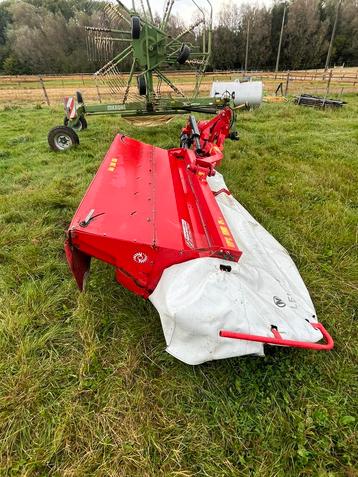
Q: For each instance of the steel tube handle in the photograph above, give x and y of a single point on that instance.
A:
(277, 340)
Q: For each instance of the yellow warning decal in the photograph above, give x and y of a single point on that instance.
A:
(112, 164)
(225, 231)
(229, 240)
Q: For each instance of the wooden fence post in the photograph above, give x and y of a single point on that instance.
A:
(44, 90)
(287, 81)
(98, 93)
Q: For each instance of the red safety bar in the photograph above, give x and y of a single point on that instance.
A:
(278, 340)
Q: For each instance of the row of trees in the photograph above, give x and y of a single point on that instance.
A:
(48, 36)
(306, 35)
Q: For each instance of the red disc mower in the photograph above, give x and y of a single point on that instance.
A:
(168, 224)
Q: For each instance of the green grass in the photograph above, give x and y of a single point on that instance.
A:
(86, 386)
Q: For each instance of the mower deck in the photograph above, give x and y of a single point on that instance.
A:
(146, 210)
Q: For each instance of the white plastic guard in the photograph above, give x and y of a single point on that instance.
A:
(196, 299)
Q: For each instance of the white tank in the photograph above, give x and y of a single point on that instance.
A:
(249, 92)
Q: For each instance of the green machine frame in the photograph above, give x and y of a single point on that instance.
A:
(149, 47)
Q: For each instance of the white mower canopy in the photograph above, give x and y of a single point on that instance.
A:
(208, 306)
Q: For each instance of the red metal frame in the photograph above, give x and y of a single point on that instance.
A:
(213, 133)
(148, 208)
(278, 340)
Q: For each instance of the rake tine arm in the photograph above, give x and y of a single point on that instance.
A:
(211, 11)
(150, 11)
(129, 82)
(122, 55)
(120, 4)
(168, 10)
(200, 9)
(169, 83)
(210, 31)
(204, 21)
(143, 10)
(121, 14)
(110, 39)
(107, 30)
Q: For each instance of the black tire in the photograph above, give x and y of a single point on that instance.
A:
(234, 136)
(80, 126)
(142, 85)
(62, 138)
(135, 28)
(184, 54)
(79, 97)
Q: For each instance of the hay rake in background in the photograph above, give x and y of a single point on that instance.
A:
(138, 50)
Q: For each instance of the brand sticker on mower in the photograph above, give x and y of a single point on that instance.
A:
(187, 233)
(140, 257)
(116, 107)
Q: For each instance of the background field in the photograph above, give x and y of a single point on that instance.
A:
(17, 90)
(86, 386)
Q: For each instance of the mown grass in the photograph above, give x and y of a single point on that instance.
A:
(86, 386)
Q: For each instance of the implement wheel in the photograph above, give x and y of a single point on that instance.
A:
(61, 138)
(142, 85)
(135, 28)
(184, 54)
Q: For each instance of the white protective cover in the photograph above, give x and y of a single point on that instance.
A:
(196, 299)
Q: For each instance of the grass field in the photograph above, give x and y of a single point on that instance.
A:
(86, 386)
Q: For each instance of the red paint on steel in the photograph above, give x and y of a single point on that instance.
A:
(276, 334)
(148, 208)
(280, 341)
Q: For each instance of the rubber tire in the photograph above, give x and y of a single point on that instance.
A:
(142, 85)
(82, 121)
(66, 131)
(234, 136)
(135, 28)
(183, 54)
(79, 97)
